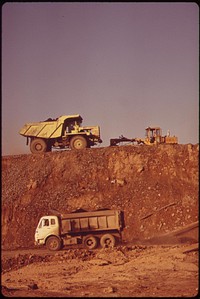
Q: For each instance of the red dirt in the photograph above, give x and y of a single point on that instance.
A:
(155, 186)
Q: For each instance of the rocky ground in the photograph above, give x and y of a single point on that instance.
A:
(124, 271)
(156, 187)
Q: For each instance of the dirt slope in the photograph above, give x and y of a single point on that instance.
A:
(156, 187)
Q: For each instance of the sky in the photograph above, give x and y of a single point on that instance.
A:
(122, 66)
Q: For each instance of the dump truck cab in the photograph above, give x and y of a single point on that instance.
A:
(47, 226)
(72, 125)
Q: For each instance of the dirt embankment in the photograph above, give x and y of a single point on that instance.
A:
(156, 187)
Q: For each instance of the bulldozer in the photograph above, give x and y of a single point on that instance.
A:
(153, 135)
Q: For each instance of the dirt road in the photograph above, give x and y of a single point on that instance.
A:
(133, 271)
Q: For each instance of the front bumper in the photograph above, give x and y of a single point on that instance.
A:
(39, 242)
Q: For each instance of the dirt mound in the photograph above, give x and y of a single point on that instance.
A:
(156, 187)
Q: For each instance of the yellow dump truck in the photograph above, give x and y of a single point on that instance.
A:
(153, 135)
(62, 132)
(101, 227)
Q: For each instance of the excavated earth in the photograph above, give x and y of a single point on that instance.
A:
(155, 186)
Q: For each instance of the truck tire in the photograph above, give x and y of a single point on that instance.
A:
(38, 145)
(107, 240)
(53, 243)
(90, 242)
(78, 142)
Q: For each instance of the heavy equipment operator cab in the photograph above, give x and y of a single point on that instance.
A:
(73, 125)
(153, 135)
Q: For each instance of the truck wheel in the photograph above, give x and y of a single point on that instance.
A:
(90, 242)
(108, 241)
(53, 243)
(78, 142)
(38, 146)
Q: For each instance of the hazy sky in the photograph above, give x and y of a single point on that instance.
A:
(122, 66)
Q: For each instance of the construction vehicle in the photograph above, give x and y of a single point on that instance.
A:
(153, 136)
(101, 227)
(63, 132)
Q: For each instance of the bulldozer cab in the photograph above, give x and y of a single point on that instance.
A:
(153, 135)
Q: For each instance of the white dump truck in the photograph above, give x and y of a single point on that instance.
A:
(101, 227)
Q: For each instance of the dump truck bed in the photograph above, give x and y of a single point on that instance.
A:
(48, 128)
(91, 221)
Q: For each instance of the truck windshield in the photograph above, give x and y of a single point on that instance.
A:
(46, 222)
(43, 222)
